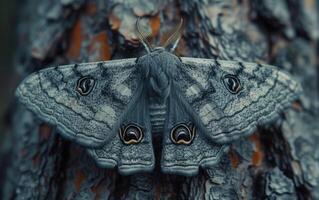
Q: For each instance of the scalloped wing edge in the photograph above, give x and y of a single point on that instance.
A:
(63, 130)
(265, 120)
(194, 169)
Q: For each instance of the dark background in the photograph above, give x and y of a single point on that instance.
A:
(7, 44)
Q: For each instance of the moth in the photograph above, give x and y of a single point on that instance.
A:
(196, 106)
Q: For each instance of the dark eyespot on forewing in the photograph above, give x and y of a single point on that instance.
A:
(85, 85)
(232, 83)
(131, 134)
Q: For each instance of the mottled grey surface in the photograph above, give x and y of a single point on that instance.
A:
(278, 186)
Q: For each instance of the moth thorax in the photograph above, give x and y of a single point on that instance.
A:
(159, 82)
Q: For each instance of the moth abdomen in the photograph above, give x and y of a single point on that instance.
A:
(157, 116)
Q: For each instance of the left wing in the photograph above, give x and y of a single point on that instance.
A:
(229, 99)
(128, 152)
(85, 101)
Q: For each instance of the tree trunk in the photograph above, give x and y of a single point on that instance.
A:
(280, 161)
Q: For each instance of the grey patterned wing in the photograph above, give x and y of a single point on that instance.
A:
(185, 147)
(130, 152)
(85, 101)
(230, 99)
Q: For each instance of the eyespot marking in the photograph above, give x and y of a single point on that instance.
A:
(85, 85)
(182, 134)
(232, 83)
(131, 134)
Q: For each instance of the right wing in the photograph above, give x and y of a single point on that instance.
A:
(229, 99)
(184, 154)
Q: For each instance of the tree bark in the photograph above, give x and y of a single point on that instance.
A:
(280, 161)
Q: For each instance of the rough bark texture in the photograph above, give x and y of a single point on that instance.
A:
(277, 162)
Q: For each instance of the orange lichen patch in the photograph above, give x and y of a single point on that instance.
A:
(155, 23)
(254, 34)
(78, 179)
(91, 8)
(256, 139)
(181, 49)
(165, 35)
(157, 193)
(258, 154)
(76, 38)
(36, 159)
(276, 46)
(99, 44)
(310, 4)
(234, 158)
(23, 152)
(297, 105)
(115, 22)
(45, 131)
(257, 158)
(97, 189)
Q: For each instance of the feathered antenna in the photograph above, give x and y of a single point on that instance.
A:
(141, 37)
(176, 36)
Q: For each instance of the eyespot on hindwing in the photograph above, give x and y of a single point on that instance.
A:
(232, 83)
(182, 134)
(131, 134)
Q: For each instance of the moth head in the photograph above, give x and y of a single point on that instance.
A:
(171, 41)
(158, 61)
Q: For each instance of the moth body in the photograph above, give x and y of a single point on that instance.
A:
(158, 68)
(157, 116)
